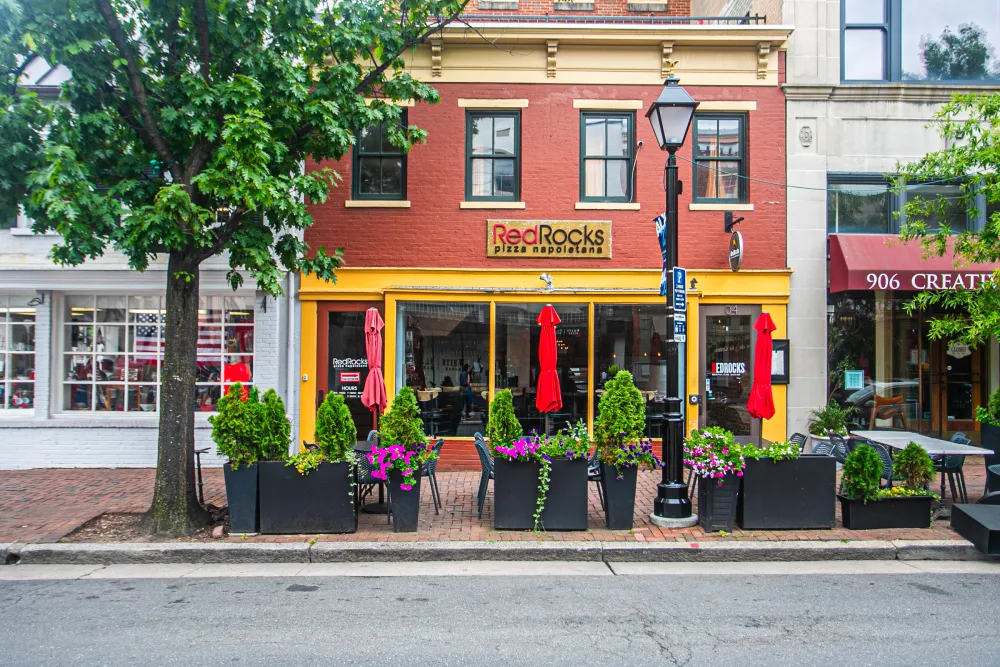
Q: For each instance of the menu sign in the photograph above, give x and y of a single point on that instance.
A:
(570, 239)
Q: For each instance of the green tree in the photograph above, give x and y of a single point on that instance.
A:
(961, 56)
(335, 429)
(274, 431)
(503, 427)
(970, 125)
(621, 417)
(401, 425)
(183, 133)
(234, 427)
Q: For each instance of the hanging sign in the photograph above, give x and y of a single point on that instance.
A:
(562, 239)
(736, 251)
(959, 350)
(660, 222)
(680, 290)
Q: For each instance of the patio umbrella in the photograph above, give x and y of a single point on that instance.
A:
(548, 397)
(373, 397)
(761, 403)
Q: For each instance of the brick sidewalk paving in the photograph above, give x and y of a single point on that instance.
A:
(45, 505)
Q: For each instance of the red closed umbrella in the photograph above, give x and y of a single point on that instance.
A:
(548, 397)
(373, 397)
(761, 403)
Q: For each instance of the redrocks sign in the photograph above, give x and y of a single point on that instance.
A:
(571, 239)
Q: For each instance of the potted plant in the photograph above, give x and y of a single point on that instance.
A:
(516, 467)
(399, 456)
(989, 426)
(863, 505)
(621, 448)
(312, 491)
(234, 432)
(782, 489)
(562, 482)
(715, 457)
(830, 419)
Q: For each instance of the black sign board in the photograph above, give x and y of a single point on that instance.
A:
(736, 251)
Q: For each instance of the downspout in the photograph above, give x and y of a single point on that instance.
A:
(291, 381)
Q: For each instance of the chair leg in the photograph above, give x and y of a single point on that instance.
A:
(201, 486)
(965, 489)
(430, 483)
(951, 485)
(942, 485)
(437, 490)
(483, 482)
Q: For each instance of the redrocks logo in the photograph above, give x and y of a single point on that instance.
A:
(729, 368)
(512, 238)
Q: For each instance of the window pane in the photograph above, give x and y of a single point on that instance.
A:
(594, 174)
(208, 369)
(503, 178)
(143, 305)
(864, 11)
(369, 175)
(503, 129)
(110, 398)
(617, 178)
(239, 309)
(237, 369)
(77, 396)
(368, 140)
(142, 398)
(239, 339)
(109, 339)
(482, 135)
(517, 367)
(707, 186)
(707, 137)
(207, 397)
(858, 209)
(79, 338)
(22, 337)
(446, 361)
(78, 367)
(111, 308)
(864, 55)
(729, 138)
(595, 135)
(950, 41)
(482, 177)
(79, 309)
(618, 136)
(22, 367)
(142, 368)
(392, 176)
(940, 205)
(632, 338)
(729, 180)
(22, 396)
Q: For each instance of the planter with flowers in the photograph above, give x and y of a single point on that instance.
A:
(235, 434)
(785, 490)
(863, 505)
(312, 491)
(621, 448)
(399, 457)
(714, 456)
(562, 498)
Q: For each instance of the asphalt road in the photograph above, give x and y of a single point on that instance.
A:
(748, 618)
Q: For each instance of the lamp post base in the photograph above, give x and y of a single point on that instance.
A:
(664, 522)
(672, 505)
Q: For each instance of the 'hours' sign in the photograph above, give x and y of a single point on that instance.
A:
(571, 239)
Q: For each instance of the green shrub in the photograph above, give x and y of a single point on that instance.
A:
(274, 431)
(862, 474)
(234, 428)
(401, 426)
(830, 418)
(991, 413)
(503, 427)
(915, 466)
(621, 419)
(613, 370)
(335, 429)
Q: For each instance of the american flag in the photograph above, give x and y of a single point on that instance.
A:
(148, 337)
(210, 332)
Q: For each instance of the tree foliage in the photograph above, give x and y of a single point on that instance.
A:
(621, 417)
(862, 474)
(958, 56)
(234, 428)
(914, 465)
(401, 425)
(503, 427)
(335, 429)
(274, 431)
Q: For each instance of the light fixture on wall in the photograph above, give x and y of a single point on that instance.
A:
(547, 277)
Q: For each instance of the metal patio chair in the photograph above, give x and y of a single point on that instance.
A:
(486, 461)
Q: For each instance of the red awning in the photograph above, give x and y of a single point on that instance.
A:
(883, 262)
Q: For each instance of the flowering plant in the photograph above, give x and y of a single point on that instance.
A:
(632, 455)
(776, 451)
(712, 453)
(397, 457)
(572, 442)
(524, 449)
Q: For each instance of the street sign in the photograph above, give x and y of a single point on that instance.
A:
(680, 289)
(680, 327)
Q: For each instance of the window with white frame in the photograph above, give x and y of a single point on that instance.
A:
(113, 351)
(17, 352)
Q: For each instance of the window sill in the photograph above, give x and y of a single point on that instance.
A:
(377, 203)
(491, 204)
(720, 207)
(607, 206)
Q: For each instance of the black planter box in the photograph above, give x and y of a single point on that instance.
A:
(515, 494)
(619, 496)
(980, 524)
(404, 506)
(717, 503)
(794, 494)
(991, 440)
(904, 512)
(566, 501)
(320, 502)
(241, 496)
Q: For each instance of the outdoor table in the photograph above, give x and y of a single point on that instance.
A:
(933, 446)
(362, 448)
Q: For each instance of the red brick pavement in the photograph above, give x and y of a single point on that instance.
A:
(45, 505)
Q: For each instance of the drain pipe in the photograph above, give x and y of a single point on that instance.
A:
(291, 381)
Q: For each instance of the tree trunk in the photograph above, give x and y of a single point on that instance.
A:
(175, 510)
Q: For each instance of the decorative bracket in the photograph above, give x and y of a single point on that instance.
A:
(763, 54)
(436, 48)
(666, 64)
(550, 64)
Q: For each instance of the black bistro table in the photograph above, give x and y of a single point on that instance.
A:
(363, 448)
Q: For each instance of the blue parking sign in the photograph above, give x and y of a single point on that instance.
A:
(680, 289)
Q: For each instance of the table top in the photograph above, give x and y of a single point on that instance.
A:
(900, 439)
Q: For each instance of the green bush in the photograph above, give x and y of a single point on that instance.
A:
(274, 431)
(503, 427)
(991, 413)
(335, 429)
(830, 418)
(621, 419)
(862, 474)
(915, 466)
(234, 428)
(613, 370)
(401, 426)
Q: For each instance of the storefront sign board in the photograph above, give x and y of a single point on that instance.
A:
(562, 239)
(680, 290)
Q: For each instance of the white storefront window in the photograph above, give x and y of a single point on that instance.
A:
(17, 353)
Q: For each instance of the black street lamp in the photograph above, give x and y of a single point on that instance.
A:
(670, 115)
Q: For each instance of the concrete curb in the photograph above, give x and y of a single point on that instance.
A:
(938, 550)
(80, 553)
(357, 552)
(716, 552)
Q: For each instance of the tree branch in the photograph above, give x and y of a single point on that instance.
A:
(204, 47)
(170, 38)
(225, 234)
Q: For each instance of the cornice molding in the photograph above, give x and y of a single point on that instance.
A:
(886, 92)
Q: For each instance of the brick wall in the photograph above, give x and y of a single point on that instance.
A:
(435, 232)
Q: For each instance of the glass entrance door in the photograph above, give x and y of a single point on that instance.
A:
(727, 338)
(955, 389)
(342, 363)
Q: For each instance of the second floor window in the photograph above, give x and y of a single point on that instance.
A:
(492, 156)
(869, 204)
(379, 167)
(606, 152)
(720, 155)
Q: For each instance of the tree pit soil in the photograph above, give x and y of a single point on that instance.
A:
(126, 527)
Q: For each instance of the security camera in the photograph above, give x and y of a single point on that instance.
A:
(639, 143)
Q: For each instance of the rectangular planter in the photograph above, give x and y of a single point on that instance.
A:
(566, 501)
(320, 502)
(515, 494)
(241, 497)
(619, 496)
(905, 512)
(717, 503)
(404, 505)
(991, 440)
(795, 494)
(980, 524)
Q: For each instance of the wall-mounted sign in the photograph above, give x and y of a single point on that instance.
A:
(736, 251)
(779, 361)
(569, 239)
(854, 380)
(680, 290)
(959, 350)
(349, 377)
(730, 368)
(680, 327)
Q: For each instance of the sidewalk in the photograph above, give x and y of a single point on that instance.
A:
(39, 506)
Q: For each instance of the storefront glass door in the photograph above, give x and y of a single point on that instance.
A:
(342, 364)
(727, 339)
